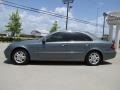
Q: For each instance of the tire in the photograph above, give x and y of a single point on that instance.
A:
(93, 58)
(20, 57)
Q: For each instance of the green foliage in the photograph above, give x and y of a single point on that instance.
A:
(14, 26)
(13, 39)
(29, 36)
(9, 39)
(54, 27)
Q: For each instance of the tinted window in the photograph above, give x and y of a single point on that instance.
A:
(76, 37)
(55, 37)
(67, 36)
(81, 37)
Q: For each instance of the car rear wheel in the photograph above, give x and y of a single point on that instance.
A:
(93, 58)
(20, 57)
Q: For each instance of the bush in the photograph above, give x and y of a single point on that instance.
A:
(9, 39)
(29, 36)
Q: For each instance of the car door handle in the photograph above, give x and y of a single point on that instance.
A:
(63, 45)
(87, 44)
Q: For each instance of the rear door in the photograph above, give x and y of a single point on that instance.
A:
(77, 46)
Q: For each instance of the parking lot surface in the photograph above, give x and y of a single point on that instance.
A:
(59, 75)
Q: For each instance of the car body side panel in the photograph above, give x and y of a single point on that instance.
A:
(49, 51)
(105, 48)
(72, 51)
(65, 51)
(8, 51)
(77, 50)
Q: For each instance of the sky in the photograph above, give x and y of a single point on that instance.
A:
(81, 9)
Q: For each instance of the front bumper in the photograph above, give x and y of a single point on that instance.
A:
(7, 52)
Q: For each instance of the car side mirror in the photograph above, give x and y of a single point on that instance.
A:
(43, 41)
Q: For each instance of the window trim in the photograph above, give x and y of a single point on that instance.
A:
(86, 35)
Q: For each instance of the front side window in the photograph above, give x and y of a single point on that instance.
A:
(55, 37)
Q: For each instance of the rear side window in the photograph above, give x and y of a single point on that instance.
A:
(81, 37)
(77, 37)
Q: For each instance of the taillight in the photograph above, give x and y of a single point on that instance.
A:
(113, 45)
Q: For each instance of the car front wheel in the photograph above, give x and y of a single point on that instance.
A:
(93, 58)
(20, 57)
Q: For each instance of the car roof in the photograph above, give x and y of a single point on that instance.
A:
(67, 31)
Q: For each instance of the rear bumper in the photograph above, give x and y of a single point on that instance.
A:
(109, 55)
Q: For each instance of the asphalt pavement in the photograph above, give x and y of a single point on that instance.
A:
(59, 75)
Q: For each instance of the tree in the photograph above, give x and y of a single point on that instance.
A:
(54, 27)
(14, 26)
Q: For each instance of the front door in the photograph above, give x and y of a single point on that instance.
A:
(54, 48)
(52, 51)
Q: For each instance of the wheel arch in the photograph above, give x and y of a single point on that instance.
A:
(18, 48)
(94, 50)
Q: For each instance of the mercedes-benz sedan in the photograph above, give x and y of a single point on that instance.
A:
(62, 46)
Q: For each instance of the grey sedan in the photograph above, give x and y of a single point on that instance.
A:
(62, 46)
